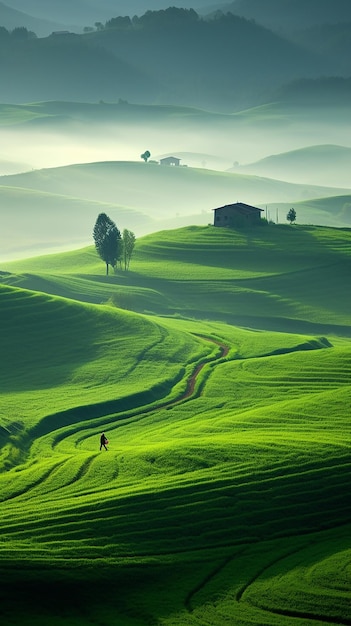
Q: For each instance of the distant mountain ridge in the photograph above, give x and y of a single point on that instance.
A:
(83, 12)
(137, 62)
(11, 18)
(291, 15)
(323, 26)
(311, 164)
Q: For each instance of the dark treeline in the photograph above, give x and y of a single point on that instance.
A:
(17, 34)
(172, 56)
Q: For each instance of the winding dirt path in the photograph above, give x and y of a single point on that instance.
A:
(192, 380)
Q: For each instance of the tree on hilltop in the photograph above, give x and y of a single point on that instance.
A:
(146, 155)
(291, 216)
(128, 239)
(108, 242)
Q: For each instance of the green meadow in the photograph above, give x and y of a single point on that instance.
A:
(219, 369)
(66, 161)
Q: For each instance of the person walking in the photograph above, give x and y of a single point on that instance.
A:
(103, 441)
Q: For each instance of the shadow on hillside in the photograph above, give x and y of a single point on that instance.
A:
(277, 324)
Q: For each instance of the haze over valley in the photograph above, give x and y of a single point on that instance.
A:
(175, 258)
(268, 155)
(231, 88)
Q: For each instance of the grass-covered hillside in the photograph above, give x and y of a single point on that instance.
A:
(73, 160)
(276, 277)
(56, 208)
(311, 164)
(219, 369)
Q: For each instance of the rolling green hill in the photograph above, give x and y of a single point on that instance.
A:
(56, 208)
(117, 179)
(329, 211)
(100, 146)
(312, 164)
(47, 222)
(222, 497)
(270, 277)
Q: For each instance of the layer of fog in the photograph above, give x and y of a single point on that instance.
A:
(214, 146)
(210, 145)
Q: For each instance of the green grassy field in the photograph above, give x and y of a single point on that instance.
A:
(219, 367)
(65, 162)
(272, 277)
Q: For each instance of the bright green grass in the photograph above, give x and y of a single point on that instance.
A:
(192, 491)
(278, 278)
(69, 354)
(227, 506)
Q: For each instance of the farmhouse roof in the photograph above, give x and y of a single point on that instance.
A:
(240, 207)
(170, 159)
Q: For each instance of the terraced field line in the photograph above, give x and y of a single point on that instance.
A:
(202, 584)
(329, 619)
(192, 381)
(224, 349)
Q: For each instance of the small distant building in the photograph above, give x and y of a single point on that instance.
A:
(238, 214)
(173, 161)
(58, 33)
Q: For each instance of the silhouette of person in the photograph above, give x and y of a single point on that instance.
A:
(103, 441)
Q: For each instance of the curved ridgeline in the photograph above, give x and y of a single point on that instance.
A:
(223, 496)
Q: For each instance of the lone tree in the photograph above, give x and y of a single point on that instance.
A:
(128, 239)
(291, 216)
(146, 155)
(108, 242)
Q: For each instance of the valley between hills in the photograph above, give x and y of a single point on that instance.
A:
(218, 362)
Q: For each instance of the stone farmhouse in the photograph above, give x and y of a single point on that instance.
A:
(171, 160)
(238, 214)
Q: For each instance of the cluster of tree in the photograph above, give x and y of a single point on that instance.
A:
(111, 246)
(171, 16)
(134, 58)
(20, 32)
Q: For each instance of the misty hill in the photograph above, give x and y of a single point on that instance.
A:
(331, 40)
(68, 66)
(160, 188)
(12, 167)
(329, 211)
(83, 12)
(137, 62)
(58, 206)
(332, 91)
(11, 18)
(310, 164)
(320, 26)
(47, 222)
(292, 15)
